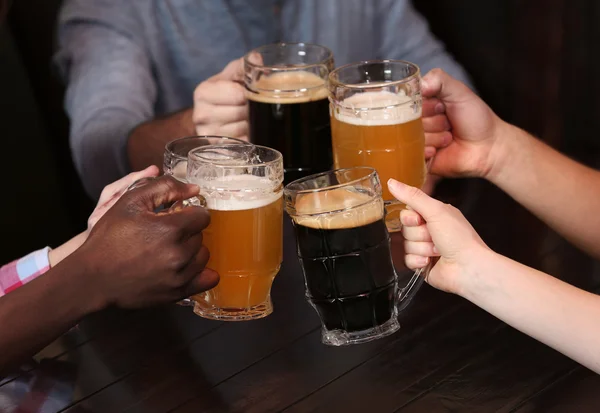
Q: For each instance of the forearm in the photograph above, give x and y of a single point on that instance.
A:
(60, 253)
(146, 144)
(560, 191)
(553, 312)
(40, 311)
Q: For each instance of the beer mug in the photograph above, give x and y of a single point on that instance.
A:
(344, 250)
(176, 152)
(375, 109)
(175, 164)
(287, 104)
(241, 185)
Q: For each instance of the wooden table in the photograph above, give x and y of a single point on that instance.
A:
(449, 356)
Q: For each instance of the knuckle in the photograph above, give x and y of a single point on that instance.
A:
(415, 193)
(176, 258)
(200, 92)
(437, 72)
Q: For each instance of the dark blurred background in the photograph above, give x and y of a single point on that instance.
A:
(535, 62)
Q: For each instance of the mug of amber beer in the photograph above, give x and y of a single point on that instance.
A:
(344, 250)
(287, 104)
(241, 185)
(375, 109)
(175, 161)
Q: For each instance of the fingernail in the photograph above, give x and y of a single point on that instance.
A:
(413, 221)
(423, 260)
(435, 250)
(440, 108)
(394, 184)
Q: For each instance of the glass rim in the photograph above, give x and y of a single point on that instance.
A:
(288, 68)
(288, 190)
(185, 138)
(194, 157)
(335, 83)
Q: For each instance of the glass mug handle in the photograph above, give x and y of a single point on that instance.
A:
(406, 294)
(177, 205)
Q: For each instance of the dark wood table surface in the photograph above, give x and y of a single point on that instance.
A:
(449, 356)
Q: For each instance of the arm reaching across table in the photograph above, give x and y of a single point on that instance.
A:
(551, 311)
(560, 191)
(132, 258)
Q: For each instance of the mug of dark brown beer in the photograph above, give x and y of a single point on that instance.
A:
(344, 249)
(287, 104)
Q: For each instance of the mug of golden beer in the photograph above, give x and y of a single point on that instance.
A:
(241, 186)
(375, 108)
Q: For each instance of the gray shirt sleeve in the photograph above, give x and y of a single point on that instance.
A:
(406, 36)
(110, 90)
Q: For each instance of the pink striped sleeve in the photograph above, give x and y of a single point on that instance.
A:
(21, 271)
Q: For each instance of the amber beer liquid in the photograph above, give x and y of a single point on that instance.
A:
(245, 241)
(382, 130)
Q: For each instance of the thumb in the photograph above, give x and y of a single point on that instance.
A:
(440, 84)
(204, 281)
(422, 203)
(234, 71)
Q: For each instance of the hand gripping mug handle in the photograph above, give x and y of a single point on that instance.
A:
(406, 294)
(177, 205)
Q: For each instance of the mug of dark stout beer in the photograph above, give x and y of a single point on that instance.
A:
(288, 108)
(344, 249)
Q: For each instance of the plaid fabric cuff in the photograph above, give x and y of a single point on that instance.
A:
(23, 270)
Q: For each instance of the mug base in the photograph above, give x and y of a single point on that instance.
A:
(235, 314)
(345, 338)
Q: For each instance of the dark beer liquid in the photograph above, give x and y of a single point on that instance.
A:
(295, 122)
(349, 275)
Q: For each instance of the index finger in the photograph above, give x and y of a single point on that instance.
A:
(418, 200)
(160, 191)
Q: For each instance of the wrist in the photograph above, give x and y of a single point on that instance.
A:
(475, 279)
(508, 145)
(58, 254)
(85, 279)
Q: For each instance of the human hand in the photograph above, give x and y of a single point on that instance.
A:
(135, 257)
(461, 130)
(112, 192)
(220, 105)
(433, 229)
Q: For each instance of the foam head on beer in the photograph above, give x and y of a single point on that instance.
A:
(238, 192)
(338, 208)
(378, 109)
(288, 87)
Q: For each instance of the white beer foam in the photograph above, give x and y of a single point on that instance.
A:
(288, 87)
(237, 192)
(338, 208)
(377, 109)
